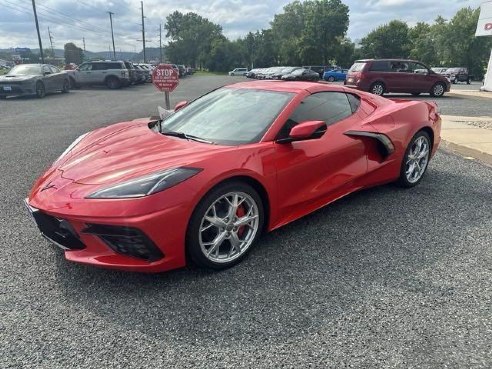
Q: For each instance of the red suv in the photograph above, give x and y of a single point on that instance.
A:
(379, 76)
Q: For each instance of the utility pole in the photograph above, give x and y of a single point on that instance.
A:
(83, 41)
(160, 43)
(143, 32)
(37, 28)
(112, 35)
(51, 42)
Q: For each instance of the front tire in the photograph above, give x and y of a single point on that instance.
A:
(415, 160)
(415, 93)
(40, 90)
(331, 79)
(377, 88)
(438, 90)
(224, 226)
(65, 86)
(113, 83)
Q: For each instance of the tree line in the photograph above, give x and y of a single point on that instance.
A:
(314, 32)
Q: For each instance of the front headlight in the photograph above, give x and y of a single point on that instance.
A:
(147, 185)
(72, 145)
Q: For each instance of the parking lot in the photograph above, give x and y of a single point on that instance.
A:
(382, 278)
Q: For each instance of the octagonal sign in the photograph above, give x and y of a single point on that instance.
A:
(165, 77)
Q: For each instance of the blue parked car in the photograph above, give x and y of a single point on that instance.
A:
(335, 75)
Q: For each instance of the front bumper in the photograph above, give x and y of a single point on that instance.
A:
(17, 89)
(116, 242)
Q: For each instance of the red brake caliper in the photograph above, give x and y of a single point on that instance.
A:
(241, 213)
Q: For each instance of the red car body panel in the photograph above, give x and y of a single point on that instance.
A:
(294, 179)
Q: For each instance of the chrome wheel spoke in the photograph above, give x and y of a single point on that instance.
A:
(245, 220)
(235, 243)
(216, 243)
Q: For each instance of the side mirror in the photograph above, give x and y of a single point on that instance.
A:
(180, 105)
(308, 130)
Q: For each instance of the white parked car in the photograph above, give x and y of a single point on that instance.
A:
(238, 72)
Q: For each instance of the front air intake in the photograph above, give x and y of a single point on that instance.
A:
(126, 241)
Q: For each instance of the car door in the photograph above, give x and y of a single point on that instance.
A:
(85, 73)
(48, 78)
(58, 77)
(313, 172)
(415, 77)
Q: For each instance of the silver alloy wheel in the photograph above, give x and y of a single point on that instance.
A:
(417, 159)
(377, 89)
(229, 227)
(438, 90)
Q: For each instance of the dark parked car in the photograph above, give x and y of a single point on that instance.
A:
(301, 74)
(33, 79)
(459, 74)
(320, 69)
(282, 72)
(380, 76)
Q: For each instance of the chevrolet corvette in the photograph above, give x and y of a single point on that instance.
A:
(202, 184)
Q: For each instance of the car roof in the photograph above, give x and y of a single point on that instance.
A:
(288, 86)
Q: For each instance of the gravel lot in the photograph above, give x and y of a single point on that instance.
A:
(383, 278)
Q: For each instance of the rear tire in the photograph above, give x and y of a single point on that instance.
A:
(377, 88)
(415, 93)
(415, 161)
(113, 83)
(216, 238)
(438, 90)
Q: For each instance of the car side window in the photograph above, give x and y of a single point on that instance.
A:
(330, 107)
(354, 102)
(380, 66)
(99, 66)
(85, 67)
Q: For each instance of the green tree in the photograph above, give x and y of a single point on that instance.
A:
(191, 37)
(73, 54)
(309, 32)
(388, 41)
(459, 45)
(424, 44)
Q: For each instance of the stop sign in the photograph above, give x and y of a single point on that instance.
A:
(165, 77)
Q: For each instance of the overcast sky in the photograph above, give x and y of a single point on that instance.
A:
(71, 20)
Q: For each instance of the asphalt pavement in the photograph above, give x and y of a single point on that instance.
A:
(382, 278)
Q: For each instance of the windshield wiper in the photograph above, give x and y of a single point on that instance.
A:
(186, 136)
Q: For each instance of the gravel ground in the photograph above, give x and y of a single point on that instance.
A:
(385, 278)
(487, 124)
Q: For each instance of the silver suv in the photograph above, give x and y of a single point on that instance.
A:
(113, 74)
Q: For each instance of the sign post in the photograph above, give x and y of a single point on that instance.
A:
(166, 79)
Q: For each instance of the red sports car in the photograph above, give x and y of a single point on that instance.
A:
(205, 182)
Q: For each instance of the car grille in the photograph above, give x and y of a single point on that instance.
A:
(58, 231)
(126, 240)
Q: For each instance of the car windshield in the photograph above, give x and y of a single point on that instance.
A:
(357, 67)
(24, 70)
(229, 116)
(298, 72)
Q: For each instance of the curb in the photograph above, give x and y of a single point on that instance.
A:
(467, 152)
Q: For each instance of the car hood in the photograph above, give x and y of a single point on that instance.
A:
(14, 78)
(129, 150)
